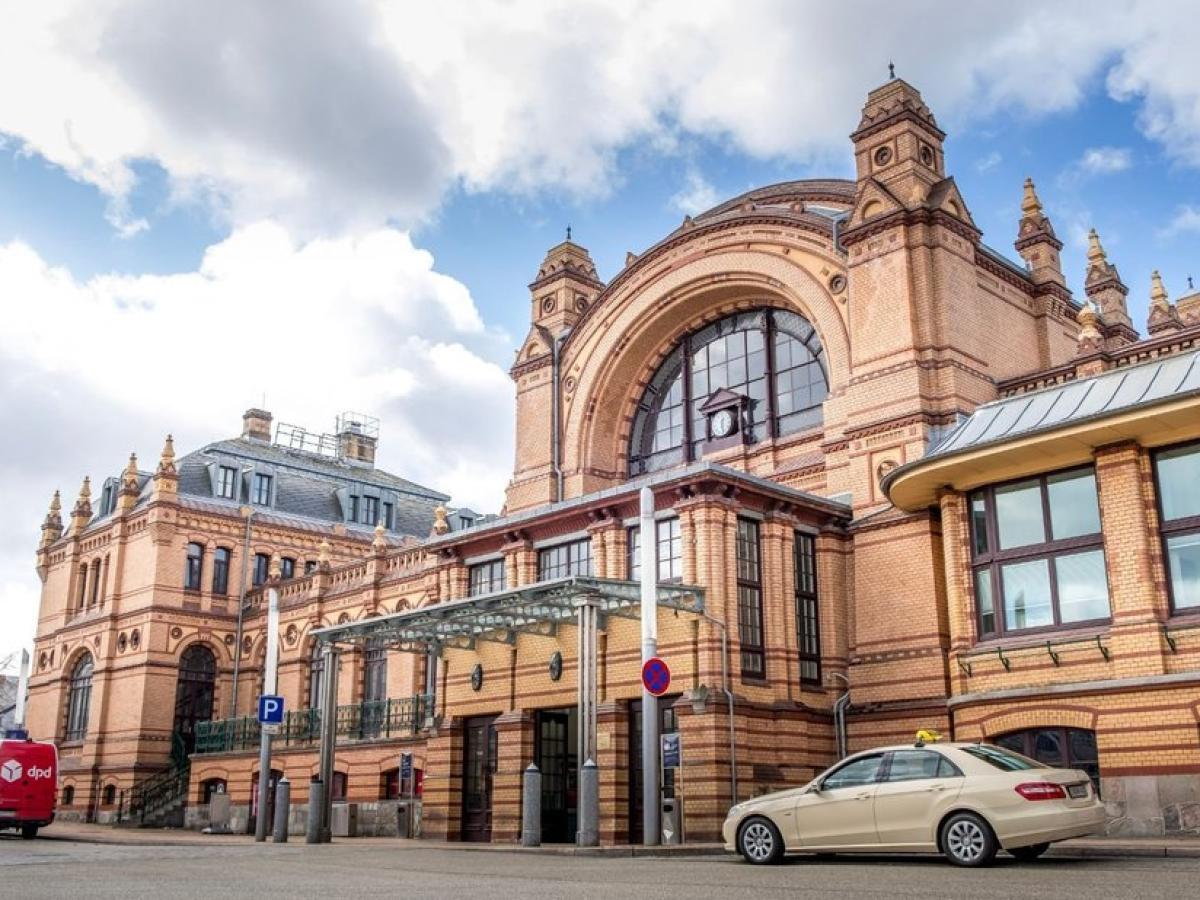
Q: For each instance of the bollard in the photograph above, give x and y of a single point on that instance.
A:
(312, 833)
(589, 806)
(283, 809)
(531, 807)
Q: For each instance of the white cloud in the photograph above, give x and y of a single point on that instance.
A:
(91, 370)
(696, 195)
(1104, 160)
(346, 115)
(1185, 221)
(989, 162)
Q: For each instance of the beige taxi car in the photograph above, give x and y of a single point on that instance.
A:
(966, 801)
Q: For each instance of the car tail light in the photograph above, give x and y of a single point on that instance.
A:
(1041, 790)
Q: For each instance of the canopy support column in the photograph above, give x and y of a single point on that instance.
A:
(329, 694)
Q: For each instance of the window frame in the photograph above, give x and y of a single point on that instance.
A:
(220, 586)
(482, 577)
(79, 699)
(749, 650)
(880, 755)
(569, 563)
(1168, 529)
(222, 470)
(943, 760)
(802, 598)
(261, 480)
(673, 539)
(994, 559)
(193, 567)
(262, 569)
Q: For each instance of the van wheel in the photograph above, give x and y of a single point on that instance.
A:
(29, 832)
(967, 840)
(760, 842)
(1030, 853)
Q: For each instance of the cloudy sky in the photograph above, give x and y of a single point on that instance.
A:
(338, 205)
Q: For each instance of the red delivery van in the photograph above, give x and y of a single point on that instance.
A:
(28, 784)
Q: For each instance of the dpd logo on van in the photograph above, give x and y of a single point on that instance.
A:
(11, 770)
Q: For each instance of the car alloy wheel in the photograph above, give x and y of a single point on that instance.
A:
(968, 841)
(760, 842)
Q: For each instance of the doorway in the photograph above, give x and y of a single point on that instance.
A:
(194, 693)
(558, 760)
(668, 723)
(479, 770)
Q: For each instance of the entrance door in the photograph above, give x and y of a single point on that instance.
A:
(194, 693)
(558, 761)
(667, 724)
(479, 768)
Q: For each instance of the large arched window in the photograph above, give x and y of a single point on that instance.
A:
(79, 698)
(194, 692)
(772, 357)
(316, 675)
(193, 567)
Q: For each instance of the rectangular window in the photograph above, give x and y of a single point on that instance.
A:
(574, 558)
(1038, 554)
(749, 595)
(227, 482)
(310, 566)
(262, 489)
(670, 551)
(371, 511)
(262, 565)
(1178, 477)
(220, 577)
(287, 567)
(353, 507)
(389, 516)
(485, 578)
(191, 572)
(808, 623)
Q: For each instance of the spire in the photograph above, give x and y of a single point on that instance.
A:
(130, 485)
(52, 526)
(166, 478)
(1106, 290)
(1163, 316)
(81, 514)
(1036, 241)
(166, 459)
(1031, 206)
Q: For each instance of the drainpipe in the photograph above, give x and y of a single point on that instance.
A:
(241, 613)
(733, 779)
(839, 717)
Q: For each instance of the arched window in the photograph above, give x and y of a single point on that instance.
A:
(772, 357)
(375, 671)
(79, 698)
(192, 568)
(95, 597)
(194, 692)
(220, 576)
(68, 795)
(316, 675)
(1067, 748)
(110, 794)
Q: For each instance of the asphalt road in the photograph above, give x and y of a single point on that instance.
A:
(67, 869)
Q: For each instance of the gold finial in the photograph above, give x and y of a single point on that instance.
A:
(441, 521)
(1158, 293)
(1088, 319)
(1095, 252)
(1031, 206)
(380, 541)
(324, 552)
(275, 568)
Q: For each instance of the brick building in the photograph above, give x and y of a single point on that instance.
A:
(891, 469)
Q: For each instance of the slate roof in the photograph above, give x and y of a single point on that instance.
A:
(1074, 402)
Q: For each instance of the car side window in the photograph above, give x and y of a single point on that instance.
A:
(864, 770)
(910, 765)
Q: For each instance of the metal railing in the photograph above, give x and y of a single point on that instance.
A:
(160, 790)
(369, 720)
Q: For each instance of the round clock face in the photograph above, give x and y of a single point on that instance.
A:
(723, 423)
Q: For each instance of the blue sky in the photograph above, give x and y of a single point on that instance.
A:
(342, 208)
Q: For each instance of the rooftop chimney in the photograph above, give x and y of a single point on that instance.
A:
(256, 425)
(357, 437)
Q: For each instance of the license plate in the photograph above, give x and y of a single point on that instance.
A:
(1077, 791)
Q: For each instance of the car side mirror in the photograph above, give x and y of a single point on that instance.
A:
(814, 788)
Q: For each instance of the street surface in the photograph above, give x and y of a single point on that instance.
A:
(69, 869)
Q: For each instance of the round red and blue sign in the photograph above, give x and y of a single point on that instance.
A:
(656, 676)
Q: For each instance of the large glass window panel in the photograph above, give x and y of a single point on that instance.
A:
(1019, 515)
(1179, 482)
(1027, 597)
(985, 602)
(853, 774)
(1183, 561)
(979, 535)
(1082, 586)
(1074, 511)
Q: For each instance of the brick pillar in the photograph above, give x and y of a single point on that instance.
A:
(1133, 558)
(779, 608)
(441, 815)
(612, 758)
(705, 785)
(960, 594)
(514, 751)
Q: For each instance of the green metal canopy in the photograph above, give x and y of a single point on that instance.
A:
(501, 615)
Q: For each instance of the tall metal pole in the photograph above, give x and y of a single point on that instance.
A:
(651, 809)
(269, 683)
(22, 689)
(241, 618)
(329, 675)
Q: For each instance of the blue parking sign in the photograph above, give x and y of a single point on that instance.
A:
(270, 709)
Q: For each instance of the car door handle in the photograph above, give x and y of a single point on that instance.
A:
(936, 787)
(866, 796)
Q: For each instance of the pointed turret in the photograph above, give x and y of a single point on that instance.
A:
(166, 478)
(898, 142)
(1106, 290)
(52, 526)
(566, 285)
(1163, 316)
(130, 485)
(81, 513)
(1036, 241)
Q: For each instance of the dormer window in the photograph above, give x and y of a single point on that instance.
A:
(370, 510)
(389, 516)
(262, 489)
(227, 482)
(354, 506)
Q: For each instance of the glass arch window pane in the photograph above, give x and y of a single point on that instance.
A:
(79, 696)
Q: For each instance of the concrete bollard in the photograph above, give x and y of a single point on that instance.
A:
(531, 807)
(283, 809)
(316, 791)
(589, 805)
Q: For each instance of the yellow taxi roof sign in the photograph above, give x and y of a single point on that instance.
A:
(928, 736)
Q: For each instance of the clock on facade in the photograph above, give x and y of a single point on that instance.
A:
(724, 413)
(724, 423)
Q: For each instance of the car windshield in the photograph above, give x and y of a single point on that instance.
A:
(1002, 759)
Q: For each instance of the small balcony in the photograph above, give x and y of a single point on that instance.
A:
(368, 721)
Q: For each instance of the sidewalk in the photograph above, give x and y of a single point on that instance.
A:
(175, 837)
